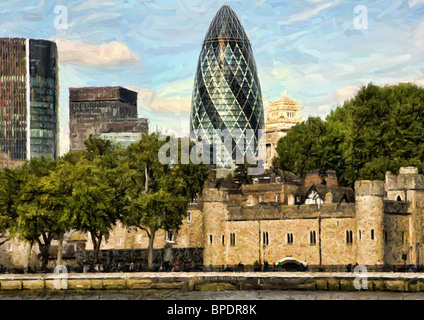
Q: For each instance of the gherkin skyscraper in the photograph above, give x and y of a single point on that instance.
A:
(227, 93)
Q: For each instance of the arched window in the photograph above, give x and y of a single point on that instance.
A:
(398, 198)
(265, 236)
(372, 234)
(289, 238)
(349, 237)
(313, 237)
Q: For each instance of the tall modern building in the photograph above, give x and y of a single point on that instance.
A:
(103, 110)
(28, 98)
(227, 93)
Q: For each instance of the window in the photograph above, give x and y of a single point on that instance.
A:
(189, 217)
(372, 234)
(360, 234)
(170, 236)
(277, 198)
(232, 239)
(385, 236)
(265, 239)
(223, 240)
(140, 239)
(349, 237)
(194, 200)
(210, 239)
(313, 237)
(290, 238)
(398, 198)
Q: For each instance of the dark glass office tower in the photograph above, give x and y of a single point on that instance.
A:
(28, 98)
(227, 92)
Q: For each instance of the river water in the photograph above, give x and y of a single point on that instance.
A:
(223, 295)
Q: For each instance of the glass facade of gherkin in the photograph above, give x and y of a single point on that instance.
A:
(227, 93)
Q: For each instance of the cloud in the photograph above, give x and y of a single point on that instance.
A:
(152, 101)
(106, 54)
(346, 93)
(305, 15)
(280, 73)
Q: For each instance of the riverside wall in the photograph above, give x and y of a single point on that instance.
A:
(399, 282)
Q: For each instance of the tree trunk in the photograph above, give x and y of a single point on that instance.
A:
(59, 250)
(146, 181)
(96, 249)
(44, 256)
(29, 256)
(150, 251)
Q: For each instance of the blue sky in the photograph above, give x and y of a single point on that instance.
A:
(307, 50)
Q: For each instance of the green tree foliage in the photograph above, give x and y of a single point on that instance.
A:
(158, 193)
(38, 217)
(379, 130)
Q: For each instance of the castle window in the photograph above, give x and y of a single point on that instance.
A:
(277, 198)
(223, 240)
(140, 238)
(170, 236)
(210, 239)
(349, 237)
(189, 217)
(398, 198)
(290, 238)
(372, 234)
(313, 237)
(265, 238)
(360, 234)
(232, 239)
(261, 198)
(385, 236)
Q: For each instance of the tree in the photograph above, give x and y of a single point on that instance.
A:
(38, 219)
(98, 198)
(158, 194)
(11, 182)
(379, 130)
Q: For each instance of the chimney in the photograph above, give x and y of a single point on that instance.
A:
(331, 178)
(312, 178)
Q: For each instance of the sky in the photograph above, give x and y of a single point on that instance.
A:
(316, 52)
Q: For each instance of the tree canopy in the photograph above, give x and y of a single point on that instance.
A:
(381, 129)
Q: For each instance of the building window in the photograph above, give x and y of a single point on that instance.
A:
(232, 239)
(210, 239)
(398, 198)
(170, 236)
(261, 198)
(140, 239)
(313, 237)
(372, 234)
(265, 237)
(277, 198)
(349, 237)
(360, 234)
(223, 240)
(189, 217)
(290, 238)
(194, 200)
